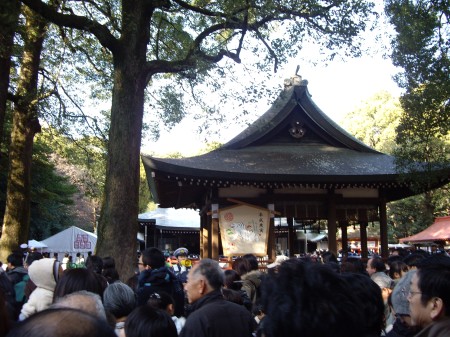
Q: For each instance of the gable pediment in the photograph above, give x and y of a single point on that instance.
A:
(295, 119)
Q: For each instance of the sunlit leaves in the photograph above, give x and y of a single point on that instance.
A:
(421, 48)
(375, 121)
(85, 159)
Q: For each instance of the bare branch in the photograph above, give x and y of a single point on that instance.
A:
(90, 121)
(271, 51)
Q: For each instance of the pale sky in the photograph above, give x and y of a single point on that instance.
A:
(336, 89)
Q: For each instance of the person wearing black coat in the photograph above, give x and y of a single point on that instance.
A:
(210, 314)
(155, 276)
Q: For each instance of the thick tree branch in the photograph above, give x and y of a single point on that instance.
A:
(195, 53)
(200, 10)
(74, 21)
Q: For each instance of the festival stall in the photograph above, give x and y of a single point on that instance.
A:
(71, 240)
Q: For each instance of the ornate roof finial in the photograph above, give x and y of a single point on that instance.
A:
(295, 80)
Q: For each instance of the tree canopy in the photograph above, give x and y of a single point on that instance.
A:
(135, 43)
(375, 122)
(51, 193)
(421, 48)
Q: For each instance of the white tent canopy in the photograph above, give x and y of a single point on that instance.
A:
(171, 217)
(71, 240)
(398, 245)
(36, 244)
(312, 236)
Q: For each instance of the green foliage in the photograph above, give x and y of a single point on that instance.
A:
(85, 158)
(412, 215)
(375, 121)
(288, 26)
(171, 106)
(421, 48)
(210, 146)
(83, 161)
(145, 198)
(174, 155)
(51, 194)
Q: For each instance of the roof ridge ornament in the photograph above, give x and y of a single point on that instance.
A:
(297, 130)
(295, 80)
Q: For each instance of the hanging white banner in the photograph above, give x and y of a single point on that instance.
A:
(244, 230)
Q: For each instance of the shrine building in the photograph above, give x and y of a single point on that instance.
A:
(293, 161)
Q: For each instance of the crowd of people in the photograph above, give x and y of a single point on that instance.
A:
(407, 295)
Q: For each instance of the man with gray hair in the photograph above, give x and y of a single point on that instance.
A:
(62, 322)
(119, 300)
(211, 314)
(83, 300)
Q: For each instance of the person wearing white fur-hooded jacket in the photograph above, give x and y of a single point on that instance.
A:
(44, 273)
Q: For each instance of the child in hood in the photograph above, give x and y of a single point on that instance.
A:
(44, 273)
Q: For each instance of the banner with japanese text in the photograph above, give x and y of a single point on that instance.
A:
(244, 229)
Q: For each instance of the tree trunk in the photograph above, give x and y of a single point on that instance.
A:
(118, 226)
(9, 12)
(16, 221)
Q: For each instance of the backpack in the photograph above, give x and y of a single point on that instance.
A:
(19, 289)
(253, 288)
(256, 294)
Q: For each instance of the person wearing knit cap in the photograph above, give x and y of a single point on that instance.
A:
(400, 308)
(44, 273)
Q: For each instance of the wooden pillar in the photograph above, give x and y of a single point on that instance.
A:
(383, 230)
(205, 240)
(291, 236)
(213, 233)
(207, 236)
(363, 238)
(155, 236)
(214, 239)
(332, 242)
(344, 237)
(271, 246)
(203, 233)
